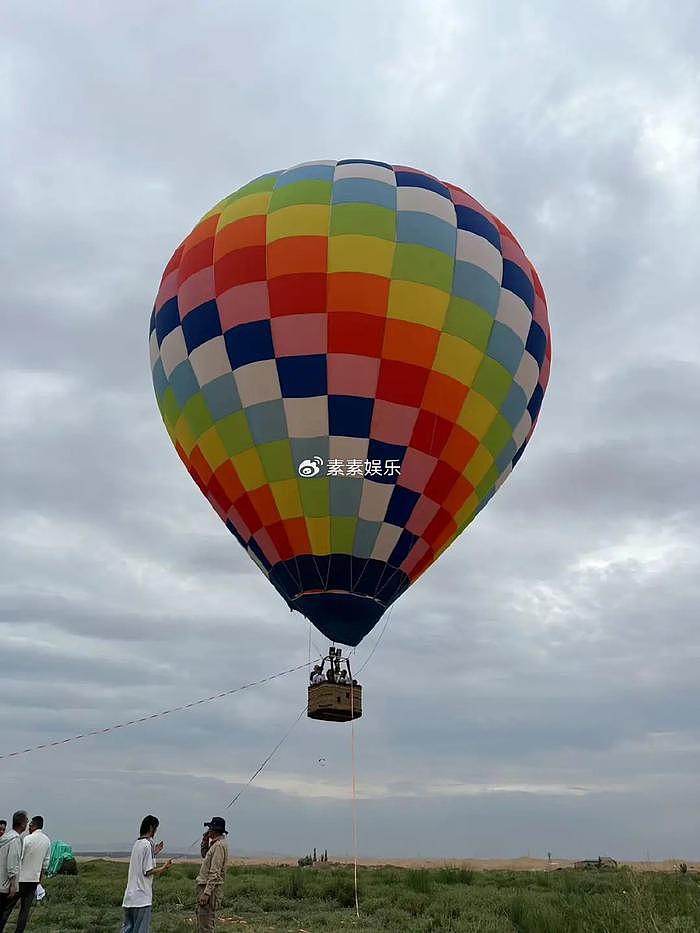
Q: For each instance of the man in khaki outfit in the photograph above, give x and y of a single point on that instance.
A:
(212, 874)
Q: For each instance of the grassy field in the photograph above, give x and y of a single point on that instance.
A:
(396, 900)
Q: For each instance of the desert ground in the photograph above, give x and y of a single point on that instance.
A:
(523, 863)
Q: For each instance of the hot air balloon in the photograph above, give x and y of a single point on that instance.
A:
(350, 358)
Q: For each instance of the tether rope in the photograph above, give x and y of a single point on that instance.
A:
(263, 765)
(269, 757)
(165, 712)
(354, 794)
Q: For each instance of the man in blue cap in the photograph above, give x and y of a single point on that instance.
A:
(212, 874)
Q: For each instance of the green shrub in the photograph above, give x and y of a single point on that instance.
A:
(453, 875)
(530, 914)
(293, 885)
(340, 889)
(419, 880)
(414, 904)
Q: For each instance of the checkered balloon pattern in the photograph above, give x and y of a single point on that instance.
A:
(350, 358)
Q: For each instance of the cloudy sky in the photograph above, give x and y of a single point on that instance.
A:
(538, 689)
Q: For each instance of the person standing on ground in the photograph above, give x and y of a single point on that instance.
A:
(138, 897)
(3, 827)
(212, 874)
(10, 862)
(36, 847)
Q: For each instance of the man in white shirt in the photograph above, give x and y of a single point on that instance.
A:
(10, 863)
(35, 860)
(138, 897)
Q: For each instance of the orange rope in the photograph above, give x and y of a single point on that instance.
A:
(354, 791)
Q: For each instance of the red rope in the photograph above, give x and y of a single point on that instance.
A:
(354, 791)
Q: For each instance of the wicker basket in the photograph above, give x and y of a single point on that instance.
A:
(332, 702)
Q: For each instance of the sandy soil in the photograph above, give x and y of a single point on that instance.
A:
(518, 864)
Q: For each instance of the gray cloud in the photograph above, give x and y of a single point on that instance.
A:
(536, 689)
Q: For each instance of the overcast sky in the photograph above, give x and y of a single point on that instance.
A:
(537, 689)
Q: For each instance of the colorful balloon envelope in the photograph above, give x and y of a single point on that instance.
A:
(350, 358)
